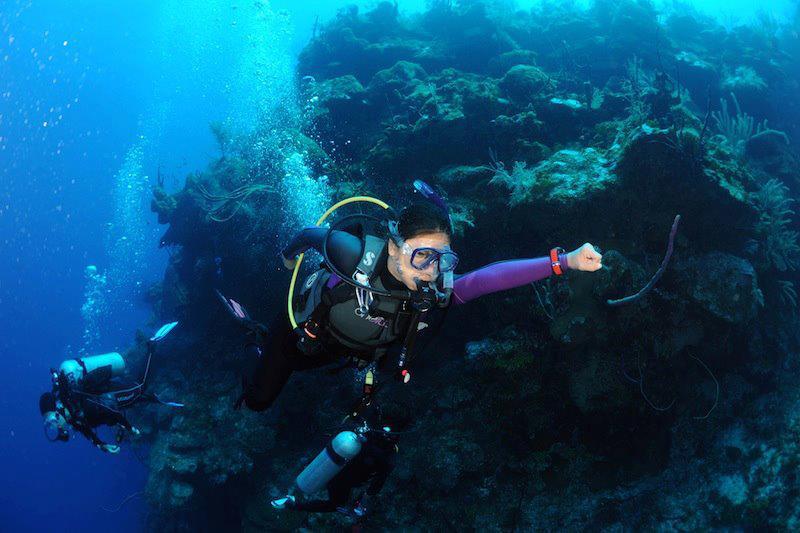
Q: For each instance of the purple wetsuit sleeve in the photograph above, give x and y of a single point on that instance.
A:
(501, 276)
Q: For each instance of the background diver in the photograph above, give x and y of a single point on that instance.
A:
(87, 394)
(376, 291)
(353, 459)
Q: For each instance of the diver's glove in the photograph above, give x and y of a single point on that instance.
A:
(289, 263)
(122, 433)
(362, 505)
(286, 502)
(359, 510)
(309, 338)
(109, 448)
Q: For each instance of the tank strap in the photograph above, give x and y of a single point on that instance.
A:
(82, 365)
(335, 457)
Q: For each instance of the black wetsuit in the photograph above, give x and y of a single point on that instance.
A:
(367, 336)
(90, 412)
(371, 466)
(274, 360)
(99, 401)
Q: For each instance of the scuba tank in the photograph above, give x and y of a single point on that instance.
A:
(77, 369)
(330, 461)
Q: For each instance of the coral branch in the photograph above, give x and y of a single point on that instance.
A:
(716, 396)
(641, 390)
(222, 208)
(644, 290)
(123, 502)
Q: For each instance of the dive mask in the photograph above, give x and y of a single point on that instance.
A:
(423, 257)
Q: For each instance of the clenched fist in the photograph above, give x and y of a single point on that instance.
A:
(585, 258)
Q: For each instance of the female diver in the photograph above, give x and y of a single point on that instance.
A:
(376, 292)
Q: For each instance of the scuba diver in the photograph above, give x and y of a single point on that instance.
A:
(86, 395)
(352, 460)
(381, 282)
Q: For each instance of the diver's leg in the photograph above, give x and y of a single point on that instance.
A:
(338, 496)
(271, 374)
(147, 397)
(315, 506)
(274, 363)
(271, 366)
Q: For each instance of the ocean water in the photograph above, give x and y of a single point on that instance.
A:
(99, 103)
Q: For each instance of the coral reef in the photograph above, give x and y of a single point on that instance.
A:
(545, 408)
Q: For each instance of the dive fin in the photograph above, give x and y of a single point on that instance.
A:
(234, 307)
(169, 404)
(238, 309)
(163, 331)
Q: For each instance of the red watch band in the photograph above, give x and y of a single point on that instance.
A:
(555, 262)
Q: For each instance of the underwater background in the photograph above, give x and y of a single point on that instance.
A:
(152, 151)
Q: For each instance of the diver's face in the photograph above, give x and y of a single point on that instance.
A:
(399, 260)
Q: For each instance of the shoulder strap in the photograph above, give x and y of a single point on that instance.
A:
(373, 249)
(82, 365)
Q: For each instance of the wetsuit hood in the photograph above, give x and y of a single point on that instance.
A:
(47, 403)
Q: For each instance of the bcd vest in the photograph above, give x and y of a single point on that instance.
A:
(335, 306)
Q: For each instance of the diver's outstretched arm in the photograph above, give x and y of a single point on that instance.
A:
(509, 274)
(501, 276)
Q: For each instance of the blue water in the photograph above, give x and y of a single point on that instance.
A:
(88, 91)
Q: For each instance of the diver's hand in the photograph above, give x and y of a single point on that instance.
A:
(359, 510)
(109, 448)
(287, 502)
(586, 258)
(289, 263)
(363, 505)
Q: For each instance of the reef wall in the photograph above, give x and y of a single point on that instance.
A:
(545, 408)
